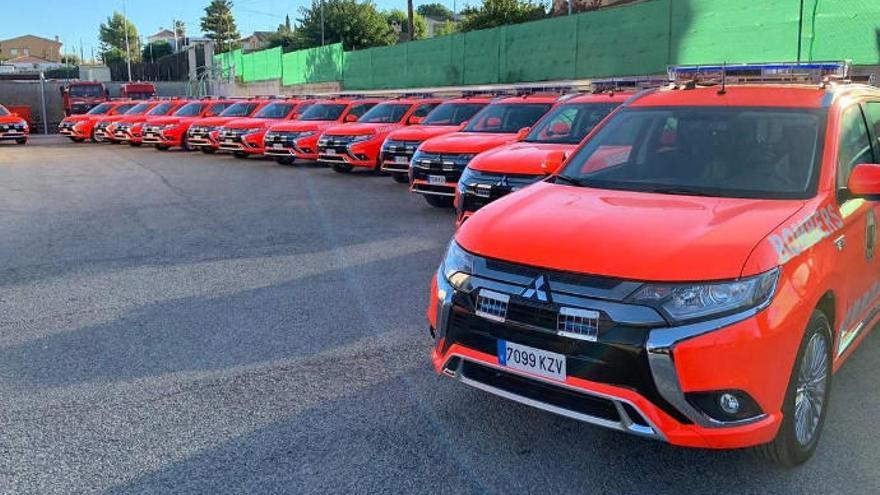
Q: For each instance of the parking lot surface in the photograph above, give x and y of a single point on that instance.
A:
(178, 322)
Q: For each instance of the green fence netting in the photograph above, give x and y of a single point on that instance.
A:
(642, 38)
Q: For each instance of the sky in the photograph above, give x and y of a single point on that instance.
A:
(76, 21)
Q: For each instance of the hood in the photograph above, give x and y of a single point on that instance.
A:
(163, 120)
(466, 142)
(81, 117)
(249, 123)
(112, 118)
(421, 132)
(133, 118)
(356, 129)
(11, 119)
(302, 125)
(517, 158)
(631, 235)
(214, 121)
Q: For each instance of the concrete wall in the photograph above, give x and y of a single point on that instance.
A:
(28, 93)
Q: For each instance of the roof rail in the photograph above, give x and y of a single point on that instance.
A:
(757, 73)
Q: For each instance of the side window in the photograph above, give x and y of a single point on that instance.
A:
(560, 124)
(424, 110)
(872, 114)
(359, 110)
(854, 146)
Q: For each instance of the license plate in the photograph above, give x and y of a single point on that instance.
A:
(436, 179)
(229, 141)
(277, 146)
(531, 360)
(483, 190)
(330, 151)
(400, 159)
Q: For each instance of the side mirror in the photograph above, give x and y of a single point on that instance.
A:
(522, 133)
(864, 181)
(553, 162)
(463, 125)
(351, 118)
(294, 116)
(415, 120)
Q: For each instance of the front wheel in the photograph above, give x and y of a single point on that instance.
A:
(806, 401)
(342, 168)
(439, 201)
(134, 144)
(400, 177)
(162, 147)
(77, 139)
(284, 160)
(208, 150)
(21, 141)
(241, 155)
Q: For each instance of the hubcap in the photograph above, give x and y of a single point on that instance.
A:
(812, 384)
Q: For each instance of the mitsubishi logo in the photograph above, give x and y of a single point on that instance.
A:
(503, 182)
(537, 290)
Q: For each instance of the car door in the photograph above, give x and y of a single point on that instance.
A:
(856, 241)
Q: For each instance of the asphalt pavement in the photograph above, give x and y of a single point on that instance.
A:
(184, 323)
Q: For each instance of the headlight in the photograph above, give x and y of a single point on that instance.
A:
(168, 127)
(361, 139)
(304, 134)
(458, 265)
(255, 130)
(686, 302)
(465, 179)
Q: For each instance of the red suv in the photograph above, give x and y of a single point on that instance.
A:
(439, 161)
(694, 273)
(400, 145)
(105, 127)
(82, 126)
(508, 168)
(13, 127)
(203, 132)
(118, 130)
(358, 145)
(298, 139)
(244, 137)
(171, 131)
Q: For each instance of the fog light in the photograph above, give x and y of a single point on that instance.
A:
(729, 404)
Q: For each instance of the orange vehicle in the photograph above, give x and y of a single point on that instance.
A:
(166, 132)
(359, 144)
(400, 146)
(106, 126)
(694, 273)
(118, 127)
(81, 127)
(298, 139)
(508, 168)
(439, 161)
(244, 137)
(203, 133)
(13, 127)
(138, 91)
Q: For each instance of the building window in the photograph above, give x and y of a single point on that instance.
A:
(14, 52)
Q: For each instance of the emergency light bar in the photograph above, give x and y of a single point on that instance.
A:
(626, 83)
(775, 72)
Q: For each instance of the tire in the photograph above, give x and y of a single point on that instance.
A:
(789, 448)
(21, 141)
(342, 168)
(134, 144)
(184, 143)
(241, 155)
(77, 140)
(208, 150)
(400, 177)
(439, 201)
(283, 160)
(161, 147)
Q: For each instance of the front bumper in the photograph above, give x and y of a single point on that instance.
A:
(251, 144)
(343, 150)
(12, 136)
(287, 145)
(200, 139)
(621, 381)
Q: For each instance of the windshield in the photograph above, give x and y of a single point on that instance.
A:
(3, 111)
(217, 108)
(239, 110)
(87, 91)
(102, 108)
(507, 117)
(452, 113)
(160, 109)
(275, 111)
(190, 110)
(323, 111)
(121, 109)
(570, 124)
(386, 113)
(706, 151)
(138, 109)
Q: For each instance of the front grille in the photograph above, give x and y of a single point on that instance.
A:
(335, 141)
(450, 166)
(396, 155)
(481, 188)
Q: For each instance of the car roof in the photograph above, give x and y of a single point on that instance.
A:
(413, 101)
(763, 95)
(470, 99)
(607, 97)
(529, 99)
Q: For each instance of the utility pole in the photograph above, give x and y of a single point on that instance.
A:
(322, 22)
(127, 47)
(410, 24)
(174, 28)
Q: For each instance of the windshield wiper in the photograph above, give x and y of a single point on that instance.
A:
(571, 180)
(683, 191)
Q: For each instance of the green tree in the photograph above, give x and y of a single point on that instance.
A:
(218, 24)
(285, 36)
(112, 36)
(356, 24)
(70, 59)
(397, 16)
(448, 27)
(494, 13)
(435, 11)
(156, 50)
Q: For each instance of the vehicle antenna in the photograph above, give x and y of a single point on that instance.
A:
(723, 89)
